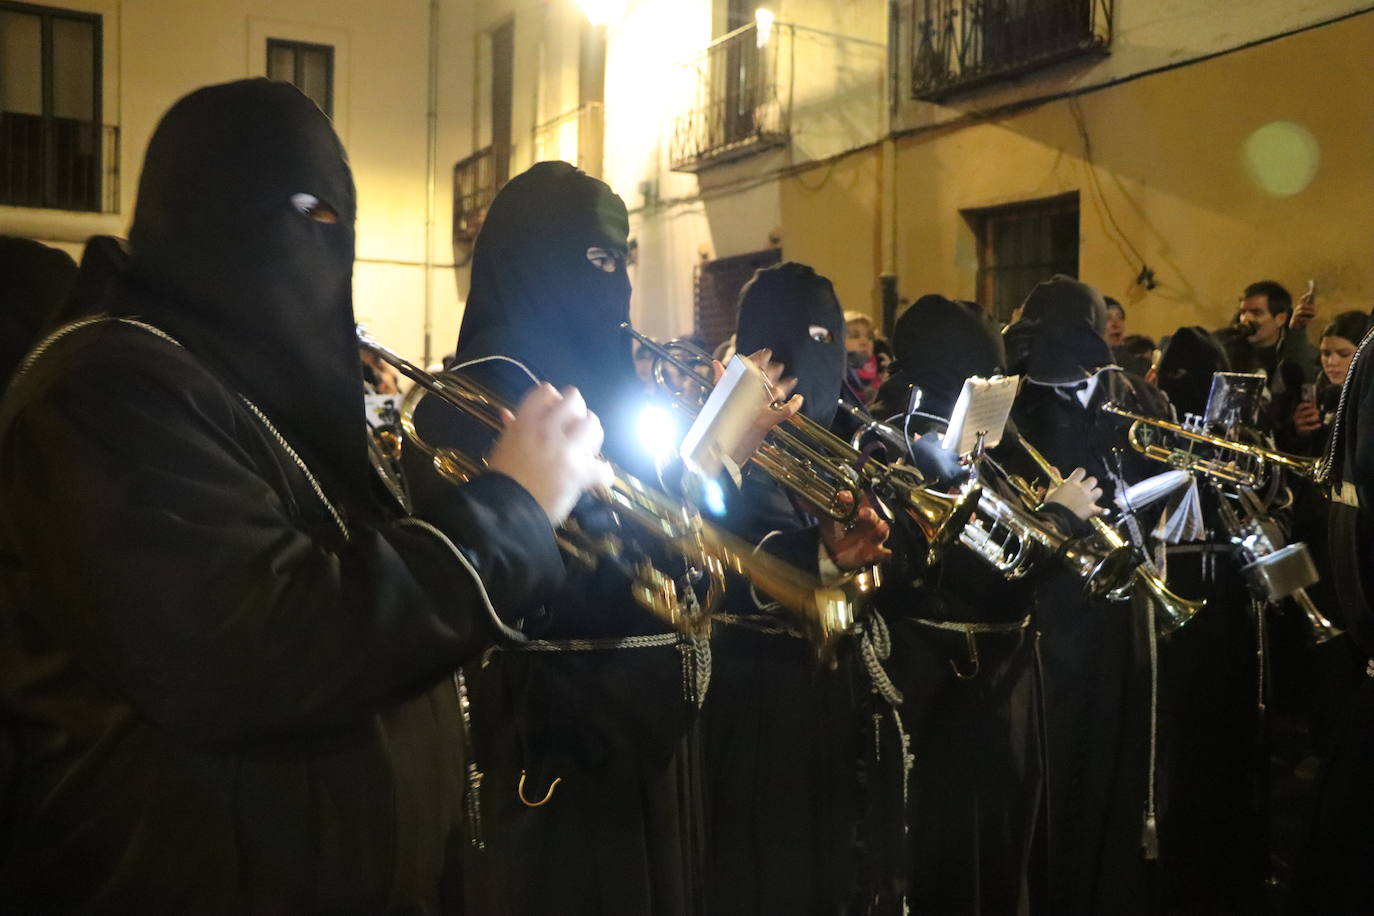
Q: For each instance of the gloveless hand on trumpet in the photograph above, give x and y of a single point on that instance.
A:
(550, 444)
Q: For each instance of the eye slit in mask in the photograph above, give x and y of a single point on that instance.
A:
(820, 334)
(311, 207)
(601, 259)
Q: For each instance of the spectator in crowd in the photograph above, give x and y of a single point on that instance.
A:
(859, 342)
(1116, 323)
(1261, 337)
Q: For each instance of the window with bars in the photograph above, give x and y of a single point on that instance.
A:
(717, 286)
(54, 151)
(308, 67)
(1021, 244)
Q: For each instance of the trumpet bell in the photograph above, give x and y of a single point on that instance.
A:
(1173, 611)
(1103, 573)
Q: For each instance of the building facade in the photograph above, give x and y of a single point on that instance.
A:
(1167, 151)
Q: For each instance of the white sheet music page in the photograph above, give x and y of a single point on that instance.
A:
(983, 407)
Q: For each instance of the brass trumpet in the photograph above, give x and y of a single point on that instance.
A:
(825, 613)
(1013, 541)
(1236, 463)
(1175, 610)
(818, 466)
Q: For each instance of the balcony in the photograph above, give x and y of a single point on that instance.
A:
(576, 136)
(58, 163)
(961, 44)
(474, 188)
(736, 106)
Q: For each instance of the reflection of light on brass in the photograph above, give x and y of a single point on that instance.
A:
(1281, 157)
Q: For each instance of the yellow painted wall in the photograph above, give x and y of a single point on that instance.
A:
(1169, 156)
(830, 220)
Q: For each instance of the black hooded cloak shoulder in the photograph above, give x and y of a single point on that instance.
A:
(219, 649)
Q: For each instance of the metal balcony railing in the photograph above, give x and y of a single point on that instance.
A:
(577, 136)
(736, 107)
(474, 188)
(960, 44)
(58, 163)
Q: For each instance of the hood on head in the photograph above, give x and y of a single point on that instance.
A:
(537, 297)
(792, 310)
(938, 343)
(224, 256)
(1064, 299)
(1186, 367)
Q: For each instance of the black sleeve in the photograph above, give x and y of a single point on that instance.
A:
(186, 582)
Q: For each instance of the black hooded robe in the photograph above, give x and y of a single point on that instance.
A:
(608, 709)
(977, 776)
(1335, 877)
(226, 659)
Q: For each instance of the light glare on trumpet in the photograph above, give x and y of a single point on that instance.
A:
(658, 432)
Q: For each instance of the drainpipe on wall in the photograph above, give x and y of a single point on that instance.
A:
(431, 163)
(887, 183)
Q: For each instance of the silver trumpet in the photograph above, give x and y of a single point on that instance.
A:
(1007, 535)
(1273, 572)
(1014, 542)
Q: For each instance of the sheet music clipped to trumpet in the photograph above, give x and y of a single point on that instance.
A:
(982, 410)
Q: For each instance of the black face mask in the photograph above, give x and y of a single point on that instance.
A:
(537, 297)
(793, 311)
(226, 257)
(938, 344)
(1186, 368)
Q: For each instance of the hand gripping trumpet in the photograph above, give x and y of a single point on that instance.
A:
(815, 464)
(647, 522)
(1175, 611)
(1007, 535)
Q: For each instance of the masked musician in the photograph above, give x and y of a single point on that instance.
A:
(584, 735)
(965, 653)
(37, 280)
(1096, 682)
(227, 651)
(785, 738)
(1336, 877)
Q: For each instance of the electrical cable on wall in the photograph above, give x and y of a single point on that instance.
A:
(1145, 276)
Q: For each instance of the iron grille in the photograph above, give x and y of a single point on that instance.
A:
(736, 107)
(716, 288)
(959, 44)
(60, 163)
(474, 188)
